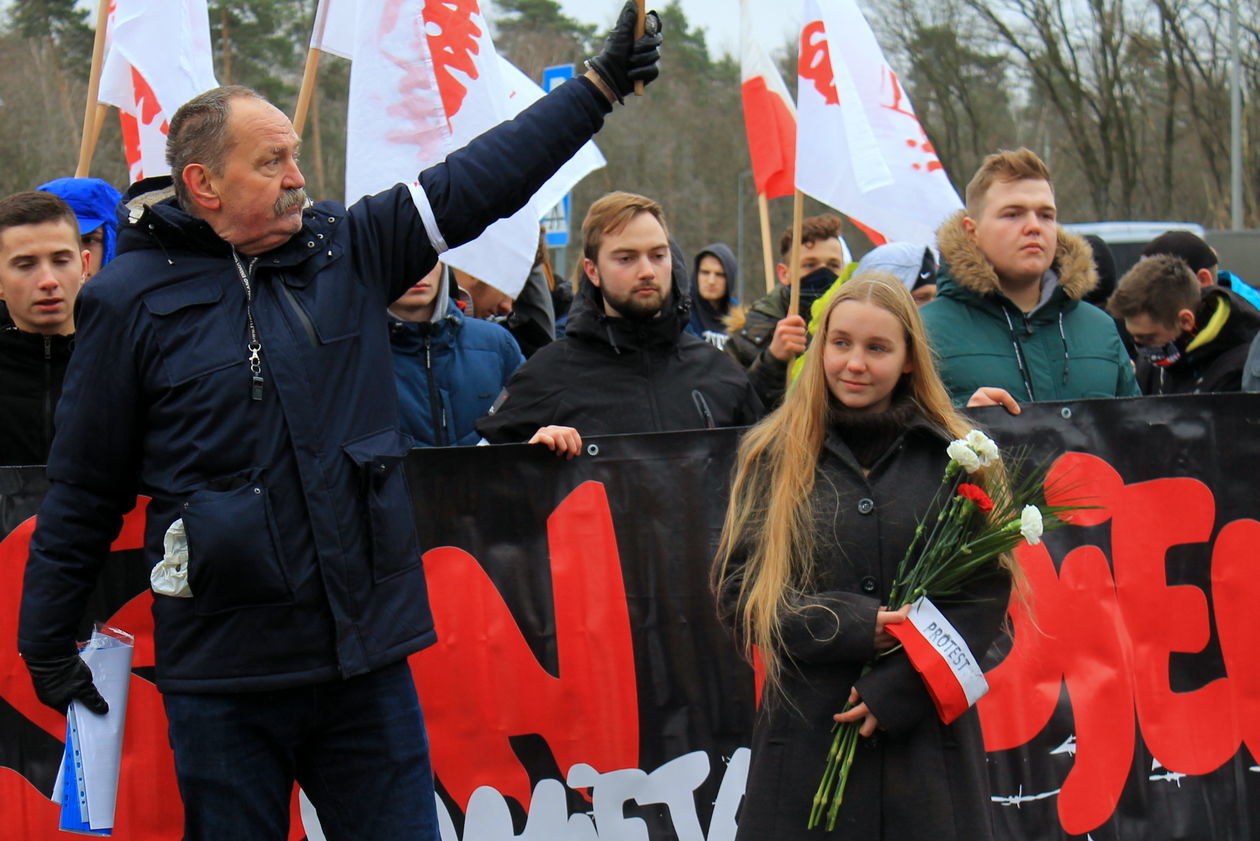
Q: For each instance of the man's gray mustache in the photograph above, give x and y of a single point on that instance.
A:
(289, 199)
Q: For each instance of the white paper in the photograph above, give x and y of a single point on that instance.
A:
(101, 736)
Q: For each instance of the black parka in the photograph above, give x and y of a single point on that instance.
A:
(916, 779)
(610, 376)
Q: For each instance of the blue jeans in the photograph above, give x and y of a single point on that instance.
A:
(357, 747)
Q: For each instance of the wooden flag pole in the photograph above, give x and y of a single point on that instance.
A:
(794, 268)
(312, 68)
(98, 122)
(767, 248)
(307, 90)
(90, 132)
(640, 27)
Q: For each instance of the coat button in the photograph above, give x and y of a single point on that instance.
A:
(866, 506)
(868, 584)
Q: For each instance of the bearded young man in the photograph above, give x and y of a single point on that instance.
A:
(626, 363)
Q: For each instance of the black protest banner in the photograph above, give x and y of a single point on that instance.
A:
(582, 687)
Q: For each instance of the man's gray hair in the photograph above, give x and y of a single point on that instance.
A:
(199, 133)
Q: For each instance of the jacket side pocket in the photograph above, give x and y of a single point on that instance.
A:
(383, 487)
(233, 555)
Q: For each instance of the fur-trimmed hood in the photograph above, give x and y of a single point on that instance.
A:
(964, 263)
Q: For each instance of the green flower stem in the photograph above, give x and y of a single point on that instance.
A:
(822, 797)
(850, 749)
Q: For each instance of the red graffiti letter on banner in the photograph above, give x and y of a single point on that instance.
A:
(815, 62)
(452, 43)
(1148, 519)
(481, 684)
(1075, 634)
(1235, 595)
(1112, 643)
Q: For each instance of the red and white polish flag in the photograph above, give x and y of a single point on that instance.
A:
(769, 116)
(940, 655)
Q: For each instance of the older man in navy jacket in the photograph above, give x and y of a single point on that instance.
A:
(233, 365)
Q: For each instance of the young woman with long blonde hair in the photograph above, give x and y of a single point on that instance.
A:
(825, 498)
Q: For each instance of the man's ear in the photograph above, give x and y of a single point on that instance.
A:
(591, 270)
(201, 188)
(87, 264)
(1206, 277)
(784, 276)
(969, 226)
(1185, 320)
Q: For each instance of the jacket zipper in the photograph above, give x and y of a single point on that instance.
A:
(645, 366)
(48, 404)
(303, 318)
(435, 400)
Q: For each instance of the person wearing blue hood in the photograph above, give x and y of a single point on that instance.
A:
(95, 204)
(714, 278)
(448, 365)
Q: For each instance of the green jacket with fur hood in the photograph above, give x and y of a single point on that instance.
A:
(1064, 349)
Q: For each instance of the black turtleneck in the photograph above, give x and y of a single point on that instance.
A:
(868, 435)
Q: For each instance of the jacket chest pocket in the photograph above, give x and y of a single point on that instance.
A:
(233, 555)
(196, 335)
(325, 312)
(378, 459)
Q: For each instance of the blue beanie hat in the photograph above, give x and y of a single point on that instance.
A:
(94, 202)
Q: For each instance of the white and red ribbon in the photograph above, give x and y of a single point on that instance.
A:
(939, 653)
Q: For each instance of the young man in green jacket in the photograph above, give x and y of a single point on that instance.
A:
(1009, 325)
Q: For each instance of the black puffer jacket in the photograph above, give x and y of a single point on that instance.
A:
(609, 376)
(31, 370)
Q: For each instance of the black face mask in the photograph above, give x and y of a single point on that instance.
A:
(1162, 355)
(813, 285)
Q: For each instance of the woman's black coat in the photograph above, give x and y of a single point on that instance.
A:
(916, 778)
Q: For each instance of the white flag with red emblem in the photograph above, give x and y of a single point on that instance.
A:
(425, 80)
(769, 115)
(157, 58)
(860, 147)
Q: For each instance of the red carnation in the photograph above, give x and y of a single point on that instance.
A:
(977, 495)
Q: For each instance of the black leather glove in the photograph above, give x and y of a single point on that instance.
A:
(624, 60)
(60, 680)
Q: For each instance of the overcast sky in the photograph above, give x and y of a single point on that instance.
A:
(777, 20)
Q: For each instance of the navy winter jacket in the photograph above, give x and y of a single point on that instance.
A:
(449, 370)
(304, 564)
